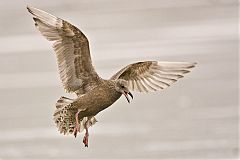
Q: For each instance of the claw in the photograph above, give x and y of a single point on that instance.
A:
(76, 130)
(85, 140)
(75, 134)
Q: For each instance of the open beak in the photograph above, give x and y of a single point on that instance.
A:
(126, 95)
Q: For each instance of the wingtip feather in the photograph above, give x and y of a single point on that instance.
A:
(180, 65)
(45, 17)
(30, 9)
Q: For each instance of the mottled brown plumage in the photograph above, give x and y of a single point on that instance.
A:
(87, 103)
(79, 76)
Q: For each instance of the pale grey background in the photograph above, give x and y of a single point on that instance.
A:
(195, 118)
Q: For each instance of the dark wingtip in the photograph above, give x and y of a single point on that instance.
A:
(35, 19)
(28, 8)
(193, 65)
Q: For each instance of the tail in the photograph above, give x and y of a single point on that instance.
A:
(64, 117)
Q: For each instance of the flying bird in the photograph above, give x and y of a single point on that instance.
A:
(94, 93)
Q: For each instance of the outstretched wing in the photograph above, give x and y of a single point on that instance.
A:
(152, 75)
(72, 50)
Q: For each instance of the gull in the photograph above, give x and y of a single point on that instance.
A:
(79, 77)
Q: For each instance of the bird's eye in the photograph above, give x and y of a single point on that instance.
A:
(122, 86)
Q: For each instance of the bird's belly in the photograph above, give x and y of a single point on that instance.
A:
(99, 103)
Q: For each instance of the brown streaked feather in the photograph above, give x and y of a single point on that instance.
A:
(152, 75)
(72, 50)
(64, 116)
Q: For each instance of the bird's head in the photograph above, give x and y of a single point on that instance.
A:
(122, 87)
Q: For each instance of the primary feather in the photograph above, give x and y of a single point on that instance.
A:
(72, 50)
(153, 75)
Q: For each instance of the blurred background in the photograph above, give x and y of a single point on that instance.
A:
(196, 118)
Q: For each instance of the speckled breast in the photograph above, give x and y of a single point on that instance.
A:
(98, 99)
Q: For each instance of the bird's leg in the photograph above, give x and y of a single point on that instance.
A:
(85, 139)
(77, 126)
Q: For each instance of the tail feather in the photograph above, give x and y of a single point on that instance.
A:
(64, 117)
